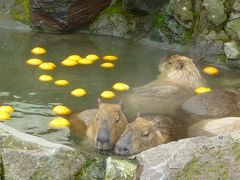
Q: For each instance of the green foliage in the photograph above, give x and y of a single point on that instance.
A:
(158, 19)
(22, 11)
(84, 168)
(114, 9)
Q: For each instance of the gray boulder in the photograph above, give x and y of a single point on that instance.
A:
(206, 49)
(236, 6)
(183, 13)
(115, 24)
(193, 158)
(119, 169)
(232, 50)
(233, 28)
(29, 157)
(215, 11)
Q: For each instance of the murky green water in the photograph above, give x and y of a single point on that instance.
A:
(33, 100)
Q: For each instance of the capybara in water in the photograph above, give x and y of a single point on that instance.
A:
(214, 127)
(103, 126)
(213, 104)
(176, 83)
(149, 131)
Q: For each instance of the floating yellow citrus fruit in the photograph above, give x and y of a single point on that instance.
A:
(38, 50)
(4, 115)
(107, 65)
(74, 57)
(211, 70)
(45, 78)
(78, 92)
(61, 110)
(59, 123)
(48, 66)
(110, 58)
(121, 87)
(85, 61)
(61, 82)
(34, 62)
(202, 90)
(92, 57)
(107, 94)
(6, 108)
(69, 62)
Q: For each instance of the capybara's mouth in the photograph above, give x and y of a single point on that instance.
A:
(103, 147)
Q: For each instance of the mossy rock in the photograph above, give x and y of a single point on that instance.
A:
(233, 29)
(21, 11)
(198, 170)
(216, 11)
(183, 13)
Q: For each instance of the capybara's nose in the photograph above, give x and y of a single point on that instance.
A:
(103, 136)
(122, 150)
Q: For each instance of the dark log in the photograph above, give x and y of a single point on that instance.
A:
(68, 15)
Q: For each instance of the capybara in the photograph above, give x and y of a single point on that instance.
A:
(213, 104)
(176, 83)
(215, 127)
(147, 132)
(103, 126)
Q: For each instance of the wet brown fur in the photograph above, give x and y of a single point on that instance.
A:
(175, 84)
(215, 127)
(150, 131)
(88, 122)
(111, 116)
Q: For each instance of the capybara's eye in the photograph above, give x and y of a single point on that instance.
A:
(117, 118)
(145, 133)
(169, 62)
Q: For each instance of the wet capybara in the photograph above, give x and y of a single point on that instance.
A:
(215, 127)
(147, 132)
(213, 104)
(103, 126)
(176, 83)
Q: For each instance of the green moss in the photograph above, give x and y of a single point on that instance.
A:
(1, 169)
(84, 168)
(197, 170)
(158, 19)
(21, 12)
(92, 169)
(236, 151)
(188, 36)
(114, 9)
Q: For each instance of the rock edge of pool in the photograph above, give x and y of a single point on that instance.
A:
(37, 158)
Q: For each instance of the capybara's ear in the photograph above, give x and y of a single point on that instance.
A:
(180, 64)
(99, 101)
(121, 103)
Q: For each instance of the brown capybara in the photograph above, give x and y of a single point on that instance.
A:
(176, 83)
(103, 126)
(147, 132)
(213, 104)
(215, 127)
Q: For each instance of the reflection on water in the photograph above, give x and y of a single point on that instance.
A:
(33, 100)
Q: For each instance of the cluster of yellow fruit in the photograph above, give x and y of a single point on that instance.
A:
(71, 61)
(5, 112)
(60, 122)
(210, 70)
(117, 87)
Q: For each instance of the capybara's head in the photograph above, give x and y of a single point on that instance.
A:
(179, 69)
(139, 135)
(107, 126)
